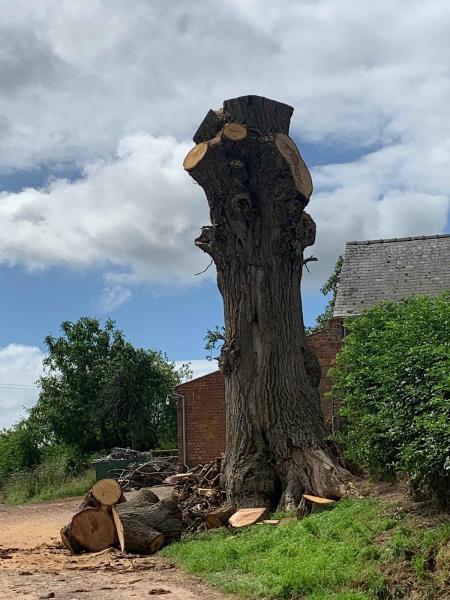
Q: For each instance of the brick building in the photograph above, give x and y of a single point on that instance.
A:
(373, 271)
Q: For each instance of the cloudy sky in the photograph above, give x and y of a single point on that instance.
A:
(99, 102)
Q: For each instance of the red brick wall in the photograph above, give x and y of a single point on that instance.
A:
(205, 401)
(325, 344)
(205, 418)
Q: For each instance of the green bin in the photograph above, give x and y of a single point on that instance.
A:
(108, 469)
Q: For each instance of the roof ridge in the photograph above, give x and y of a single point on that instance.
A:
(403, 239)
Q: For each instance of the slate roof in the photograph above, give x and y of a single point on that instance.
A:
(377, 270)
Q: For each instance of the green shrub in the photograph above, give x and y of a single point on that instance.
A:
(61, 473)
(18, 448)
(393, 377)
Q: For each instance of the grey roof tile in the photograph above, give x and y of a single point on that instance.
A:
(376, 270)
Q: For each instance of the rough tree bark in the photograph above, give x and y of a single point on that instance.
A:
(257, 187)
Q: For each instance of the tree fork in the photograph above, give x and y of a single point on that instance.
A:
(257, 187)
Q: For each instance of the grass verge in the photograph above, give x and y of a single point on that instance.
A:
(351, 552)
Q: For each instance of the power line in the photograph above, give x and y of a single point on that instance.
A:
(19, 386)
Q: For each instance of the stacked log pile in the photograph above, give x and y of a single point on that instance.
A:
(201, 497)
(105, 519)
(153, 472)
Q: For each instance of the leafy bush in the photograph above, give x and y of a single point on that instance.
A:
(393, 377)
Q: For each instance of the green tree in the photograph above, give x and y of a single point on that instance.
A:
(138, 398)
(99, 391)
(69, 410)
(330, 286)
(18, 448)
(393, 377)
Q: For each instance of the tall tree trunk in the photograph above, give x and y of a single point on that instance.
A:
(257, 187)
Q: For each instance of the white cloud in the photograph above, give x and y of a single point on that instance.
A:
(113, 297)
(388, 193)
(354, 72)
(138, 210)
(20, 367)
(362, 75)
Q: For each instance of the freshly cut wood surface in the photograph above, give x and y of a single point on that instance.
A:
(195, 155)
(107, 491)
(318, 499)
(104, 493)
(235, 131)
(219, 517)
(93, 529)
(206, 492)
(299, 170)
(271, 521)
(135, 534)
(247, 516)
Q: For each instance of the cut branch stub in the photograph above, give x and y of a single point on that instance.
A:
(308, 230)
(299, 170)
(195, 155)
(210, 126)
(234, 131)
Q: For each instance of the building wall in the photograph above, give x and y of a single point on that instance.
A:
(205, 401)
(325, 344)
(205, 418)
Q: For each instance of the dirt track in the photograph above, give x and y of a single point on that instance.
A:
(33, 564)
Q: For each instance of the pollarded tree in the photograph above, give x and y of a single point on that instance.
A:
(257, 187)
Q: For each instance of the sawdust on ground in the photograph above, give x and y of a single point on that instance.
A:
(35, 566)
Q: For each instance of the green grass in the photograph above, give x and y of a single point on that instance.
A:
(333, 555)
(46, 482)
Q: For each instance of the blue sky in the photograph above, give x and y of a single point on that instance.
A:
(96, 214)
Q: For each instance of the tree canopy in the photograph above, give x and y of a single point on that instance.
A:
(98, 390)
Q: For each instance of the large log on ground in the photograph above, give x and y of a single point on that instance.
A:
(90, 529)
(103, 493)
(138, 524)
(135, 532)
(143, 498)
